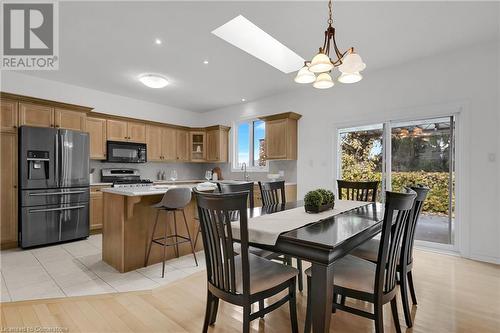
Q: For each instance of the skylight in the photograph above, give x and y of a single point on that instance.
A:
(245, 35)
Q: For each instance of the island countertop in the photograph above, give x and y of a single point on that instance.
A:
(143, 191)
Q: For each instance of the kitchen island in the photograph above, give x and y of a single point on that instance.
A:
(128, 223)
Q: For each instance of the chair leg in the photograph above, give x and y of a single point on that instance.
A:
(293, 307)
(148, 252)
(197, 234)
(379, 318)
(215, 308)
(301, 282)
(403, 286)
(412, 288)
(164, 252)
(208, 311)
(261, 307)
(307, 326)
(335, 300)
(246, 318)
(176, 246)
(395, 317)
(189, 236)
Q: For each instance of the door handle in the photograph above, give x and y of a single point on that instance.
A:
(54, 193)
(55, 209)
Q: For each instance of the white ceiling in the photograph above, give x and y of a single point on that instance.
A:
(105, 45)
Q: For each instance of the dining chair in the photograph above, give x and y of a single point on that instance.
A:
(371, 282)
(357, 190)
(239, 278)
(273, 194)
(369, 251)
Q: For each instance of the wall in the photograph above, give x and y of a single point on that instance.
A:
(422, 88)
(22, 84)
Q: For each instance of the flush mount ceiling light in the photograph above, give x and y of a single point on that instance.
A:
(158, 41)
(317, 71)
(153, 80)
(245, 35)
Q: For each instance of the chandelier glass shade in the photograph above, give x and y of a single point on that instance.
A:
(327, 59)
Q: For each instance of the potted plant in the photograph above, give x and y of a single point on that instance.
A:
(319, 200)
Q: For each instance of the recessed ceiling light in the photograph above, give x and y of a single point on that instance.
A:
(153, 80)
(243, 100)
(250, 38)
(158, 41)
(205, 62)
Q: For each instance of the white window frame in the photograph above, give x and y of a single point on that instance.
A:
(234, 161)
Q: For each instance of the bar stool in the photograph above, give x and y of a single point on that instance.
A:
(175, 199)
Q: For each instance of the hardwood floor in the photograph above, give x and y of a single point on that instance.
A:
(454, 294)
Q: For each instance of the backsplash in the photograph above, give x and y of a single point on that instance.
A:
(189, 171)
(185, 171)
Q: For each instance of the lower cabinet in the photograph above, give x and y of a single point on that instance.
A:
(96, 213)
(8, 188)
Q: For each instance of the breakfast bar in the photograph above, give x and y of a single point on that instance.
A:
(128, 223)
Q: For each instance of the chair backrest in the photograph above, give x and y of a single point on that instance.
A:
(360, 191)
(411, 225)
(176, 197)
(271, 192)
(215, 211)
(397, 209)
(238, 187)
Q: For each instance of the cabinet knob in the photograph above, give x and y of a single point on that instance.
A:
(57, 125)
(14, 126)
(15, 186)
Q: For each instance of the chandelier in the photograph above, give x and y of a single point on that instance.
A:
(318, 70)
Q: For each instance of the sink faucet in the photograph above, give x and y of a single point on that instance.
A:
(244, 169)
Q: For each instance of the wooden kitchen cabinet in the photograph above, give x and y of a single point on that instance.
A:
(69, 119)
(8, 115)
(154, 142)
(8, 188)
(281, 136)
(136, 131)
(197, 146)
(217, 144)
(116, 130)
(169, 143)
(96, 127)
(182, 145)
(122, 130)
(39, 115)
(96, 209)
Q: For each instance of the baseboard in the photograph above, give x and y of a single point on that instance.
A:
(483, 258)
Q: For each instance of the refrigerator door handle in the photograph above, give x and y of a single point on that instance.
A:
(55, 209)
(56, 169)
(55, 193)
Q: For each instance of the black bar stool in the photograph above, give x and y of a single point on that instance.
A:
(175, 199)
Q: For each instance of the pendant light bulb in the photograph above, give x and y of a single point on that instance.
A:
(304, 75)
(323, 81)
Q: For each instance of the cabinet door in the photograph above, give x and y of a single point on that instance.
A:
(36, 115)
(213, 145)
(69, 119)
(136, 132)
(96, 128)
(276, 138)
(169, 143)
(8, 188)
(182, 143)
(8, 116)
(116, 130)
(96, 209)
(197, 146)
(153, 142)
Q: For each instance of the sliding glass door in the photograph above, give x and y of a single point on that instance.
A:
(407, 153)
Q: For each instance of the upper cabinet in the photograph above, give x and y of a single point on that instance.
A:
(153, 142)
(169, 143)
(197, 146)
(217, 144)
(122, 130)
(8, 115)
(182, 145)
(73, 120)
(39, 115)
(96, 127)
(281, 136)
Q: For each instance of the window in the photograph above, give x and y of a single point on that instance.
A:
(249, 147)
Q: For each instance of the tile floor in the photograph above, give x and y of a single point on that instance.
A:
(77, 269)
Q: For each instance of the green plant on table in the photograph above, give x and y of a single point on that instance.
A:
(327, 196)
(313, 199)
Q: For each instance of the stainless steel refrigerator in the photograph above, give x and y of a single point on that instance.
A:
(54, 185)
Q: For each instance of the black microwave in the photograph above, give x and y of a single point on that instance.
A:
(126, 152)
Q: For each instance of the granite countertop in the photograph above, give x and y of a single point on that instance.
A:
(147, 190)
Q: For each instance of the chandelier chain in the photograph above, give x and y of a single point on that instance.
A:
(330, 19)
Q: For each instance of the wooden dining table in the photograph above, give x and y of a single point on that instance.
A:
(322, 243)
